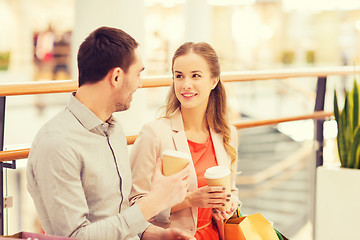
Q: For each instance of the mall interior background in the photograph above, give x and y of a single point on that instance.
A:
(39, 41)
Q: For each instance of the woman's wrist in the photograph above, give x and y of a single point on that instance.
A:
(184, 204)
(187, 200)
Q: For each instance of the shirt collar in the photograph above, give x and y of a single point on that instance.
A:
(86, 117)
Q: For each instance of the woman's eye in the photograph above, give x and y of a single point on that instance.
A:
(196, 75)
(178, 76)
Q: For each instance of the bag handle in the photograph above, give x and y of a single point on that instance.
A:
(237, 214)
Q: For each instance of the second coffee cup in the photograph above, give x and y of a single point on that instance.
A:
(219, 176)
(174, 161)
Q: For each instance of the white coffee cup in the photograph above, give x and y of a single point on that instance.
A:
(219, 176)
(174, 161)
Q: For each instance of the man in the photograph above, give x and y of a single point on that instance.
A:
(78, 170)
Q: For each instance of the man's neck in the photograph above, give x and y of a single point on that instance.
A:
(95, 98)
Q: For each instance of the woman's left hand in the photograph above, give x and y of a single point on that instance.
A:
(222, 215)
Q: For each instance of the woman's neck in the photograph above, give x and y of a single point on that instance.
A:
(195, 125)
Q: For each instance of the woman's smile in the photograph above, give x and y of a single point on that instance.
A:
(188, 95)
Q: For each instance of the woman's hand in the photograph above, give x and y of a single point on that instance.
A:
(223, 215)
(208, 197)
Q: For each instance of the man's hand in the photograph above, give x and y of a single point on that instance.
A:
(166, 191)
(155, 232)
(172, 189)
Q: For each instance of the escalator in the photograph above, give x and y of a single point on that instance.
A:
(276, 178)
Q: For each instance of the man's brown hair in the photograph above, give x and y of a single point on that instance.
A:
(104, 49)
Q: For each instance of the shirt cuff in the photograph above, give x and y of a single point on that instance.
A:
(135, 220)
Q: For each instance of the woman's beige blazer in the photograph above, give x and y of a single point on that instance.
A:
(153, 139)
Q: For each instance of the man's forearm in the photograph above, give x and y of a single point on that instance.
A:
(150, 206)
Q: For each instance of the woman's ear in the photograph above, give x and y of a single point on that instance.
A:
(215, 82)
(116, 76)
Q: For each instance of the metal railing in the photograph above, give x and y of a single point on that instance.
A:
(44, 87)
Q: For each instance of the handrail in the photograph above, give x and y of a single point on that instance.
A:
(315, 115)
(18, 154)
(42, 87)
(24, 153)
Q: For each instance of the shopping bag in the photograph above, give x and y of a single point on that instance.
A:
(252, 227)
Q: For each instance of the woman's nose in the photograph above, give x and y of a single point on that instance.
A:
(186, 83)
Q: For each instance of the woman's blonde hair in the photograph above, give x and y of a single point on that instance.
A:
(216, 107)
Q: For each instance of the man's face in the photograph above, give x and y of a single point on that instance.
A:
(131, 83)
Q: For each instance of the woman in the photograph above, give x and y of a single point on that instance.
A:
(194, 122)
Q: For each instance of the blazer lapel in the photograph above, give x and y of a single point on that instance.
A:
(181, 144)
(178, 135)
(221, 155)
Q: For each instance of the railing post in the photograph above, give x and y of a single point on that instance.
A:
(319, 123)
(319, 136)
(2, 127)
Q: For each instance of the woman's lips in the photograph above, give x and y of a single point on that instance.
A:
(188, 95)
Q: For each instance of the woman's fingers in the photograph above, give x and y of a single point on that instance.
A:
(225, 214)
(221, 214)
(215, 189)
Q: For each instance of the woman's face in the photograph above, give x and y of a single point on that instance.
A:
(192, 81)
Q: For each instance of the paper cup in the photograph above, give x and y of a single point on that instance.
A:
(174, 161)
(219, 176)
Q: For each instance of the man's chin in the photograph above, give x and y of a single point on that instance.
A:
(122, 108)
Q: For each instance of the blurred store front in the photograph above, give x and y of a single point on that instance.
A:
(249, 34)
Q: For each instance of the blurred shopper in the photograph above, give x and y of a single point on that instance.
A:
(194, 122)
(78, 170)
(44, 49)
(45, 44)
(61, 55)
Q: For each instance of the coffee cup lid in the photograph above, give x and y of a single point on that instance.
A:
(177, 154)
(217, 172)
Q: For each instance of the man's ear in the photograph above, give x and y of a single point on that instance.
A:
(116, 76)
(215, 82)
